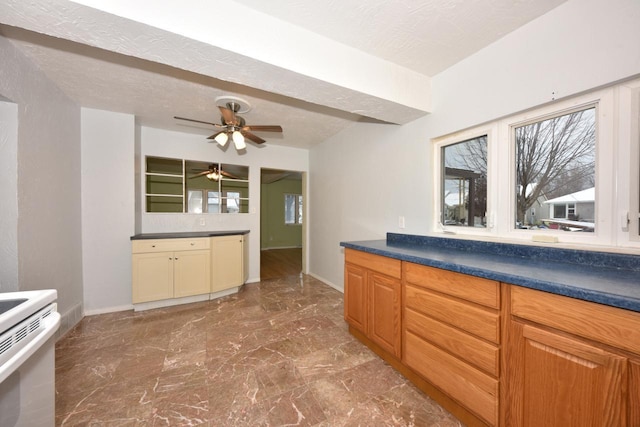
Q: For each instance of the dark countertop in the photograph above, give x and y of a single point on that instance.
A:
(602, 277)
(188, 234)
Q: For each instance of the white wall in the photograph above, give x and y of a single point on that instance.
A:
(107, 209)
(49, 232)
(157, 142)
(367, 176)
(8, 196)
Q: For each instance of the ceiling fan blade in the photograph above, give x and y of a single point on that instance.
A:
(263, 128)
(196, 121)
(251, 136)
(200, 174)
(228, 116)
(229, 175)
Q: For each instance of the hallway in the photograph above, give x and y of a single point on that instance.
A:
(277, 263)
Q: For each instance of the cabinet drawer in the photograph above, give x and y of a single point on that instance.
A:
(168, 245)
(614, 326)
(478, 321)
(471, 288)
(474, 389)
(389, 266)
(474, 351)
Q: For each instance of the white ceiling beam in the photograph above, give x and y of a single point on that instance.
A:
(231, 42)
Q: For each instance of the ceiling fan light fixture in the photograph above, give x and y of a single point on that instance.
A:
(238, 140)
(214, 175)
(222, 139)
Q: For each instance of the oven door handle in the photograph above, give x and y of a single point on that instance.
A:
(51, 324)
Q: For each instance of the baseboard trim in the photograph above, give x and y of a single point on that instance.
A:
(327, 282)
(106, 310)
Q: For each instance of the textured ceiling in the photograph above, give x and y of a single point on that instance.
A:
(427, 36)
(424, 36)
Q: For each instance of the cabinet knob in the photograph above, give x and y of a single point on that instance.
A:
(192, 244)
(176, 258)
(153, 246)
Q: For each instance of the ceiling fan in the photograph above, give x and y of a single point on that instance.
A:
(234, 127)
(214, 174)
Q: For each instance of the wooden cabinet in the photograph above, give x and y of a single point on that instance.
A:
(169, 268)
(228, 264)
(451, 334)
(373, 297)
(497, 354)
(355, 297)
(634, 393)
(570, 362)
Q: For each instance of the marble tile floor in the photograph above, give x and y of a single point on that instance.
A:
(276, 354)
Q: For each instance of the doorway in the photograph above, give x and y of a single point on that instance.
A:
(282, 223)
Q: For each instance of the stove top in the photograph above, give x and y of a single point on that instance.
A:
(17, 306)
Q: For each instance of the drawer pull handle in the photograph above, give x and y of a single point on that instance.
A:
(153, 246)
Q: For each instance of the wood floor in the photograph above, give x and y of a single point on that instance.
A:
(278, 263)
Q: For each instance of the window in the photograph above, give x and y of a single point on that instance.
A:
(231, 202)
(464, 183)
(203, 201)
(559, 211)
(555, 163)
(569, 170)
(293, 209)
(213, 201)
(196, 201)
(179, 186)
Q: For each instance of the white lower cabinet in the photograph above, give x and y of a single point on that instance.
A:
(227, 262)
(170, 269)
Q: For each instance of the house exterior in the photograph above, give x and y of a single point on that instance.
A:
(578, 206)
(68, 176)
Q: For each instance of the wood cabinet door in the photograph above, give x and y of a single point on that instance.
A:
(384, 312)
(192, 273)
(355, 297)
(227, 269)
(565, 382)
(152, 276)
(634, 393)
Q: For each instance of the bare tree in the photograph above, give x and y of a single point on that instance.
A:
(554, 157)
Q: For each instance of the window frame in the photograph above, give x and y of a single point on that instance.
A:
(298, 206)
(443, 180)
(617, 177)
(628, 164)
(602, 100)
(489, 131)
